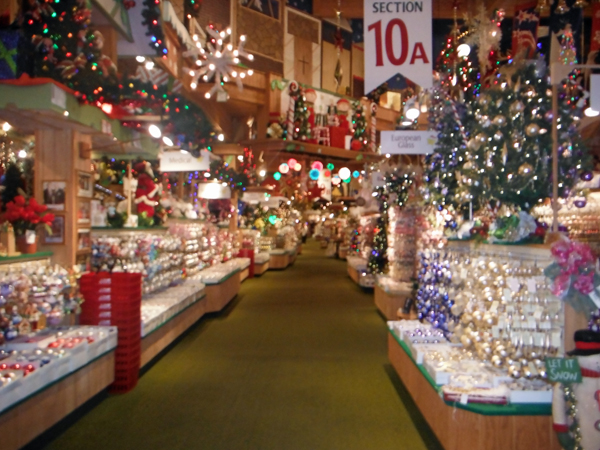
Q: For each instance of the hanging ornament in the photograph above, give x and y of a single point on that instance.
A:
(532, 129)
(542, 7)
(499, 121)
(474, 144)
(483, 100)
(498, 136)
(525, 169)
(504, 154)
(562, 7)
(219, 61)
(481, 137)
(517, 107)
(586, 176)
(580, 203)
(485, 121)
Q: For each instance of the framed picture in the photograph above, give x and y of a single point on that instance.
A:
(54, 194)
(85, 185)
(84, 211)
(58, 231)
(84, 239)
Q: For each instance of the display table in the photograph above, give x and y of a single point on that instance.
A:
(357, 270)
(391, 296)
(261, 263)
(280, 259)
(168, 314)
(243, 265)
(34, 403)
(293, 254)
(473, 426)
(222, 285)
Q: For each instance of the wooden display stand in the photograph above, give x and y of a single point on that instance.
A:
(342, 253)
(292, 256)
(219, 295)
(457, 428)
(244, 274)
(259, 269)
(30, 418)
(388, 303)
(353, 273)
(163, 336)
(279, 262)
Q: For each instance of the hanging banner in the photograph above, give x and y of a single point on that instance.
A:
(595, 43)
(324, 182)
(184, 162)
(408, 142)
(398, 40)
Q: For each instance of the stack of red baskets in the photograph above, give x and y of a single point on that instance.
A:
(116, 299)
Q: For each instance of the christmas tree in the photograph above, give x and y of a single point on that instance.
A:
(302, 130)
(378, 261)
(510, 148)
(66, 49)
(360, 138)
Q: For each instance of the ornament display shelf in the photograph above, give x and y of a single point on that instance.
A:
(97, 231)
(273, 147)
(280, 259)
(168, 314)
(483, 426)
(25, 258)
(261, 263)
(34, 403)
(222, 284)
(357, 270)
(390, 296)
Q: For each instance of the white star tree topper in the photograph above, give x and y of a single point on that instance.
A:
(219, 61)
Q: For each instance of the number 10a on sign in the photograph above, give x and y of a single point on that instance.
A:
(398, 40)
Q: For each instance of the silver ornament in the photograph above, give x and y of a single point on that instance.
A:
(499, 120)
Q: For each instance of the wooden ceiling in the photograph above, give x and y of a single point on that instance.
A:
(442, 9)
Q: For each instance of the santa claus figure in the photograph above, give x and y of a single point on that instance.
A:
(145, 194)
(343, 109)
(587, 395)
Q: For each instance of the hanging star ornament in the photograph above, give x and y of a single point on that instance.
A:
(219, 61)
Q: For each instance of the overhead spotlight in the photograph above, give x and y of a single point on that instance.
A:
(6, 127)
(412, 113)
(221, 137)
(168, 142)
(140, 59)
(22, 154)
(149, 65)
(262, 172)
(154, 131)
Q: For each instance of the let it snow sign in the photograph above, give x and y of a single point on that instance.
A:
(398, 41)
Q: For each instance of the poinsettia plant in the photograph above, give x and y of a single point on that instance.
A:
(26, 214)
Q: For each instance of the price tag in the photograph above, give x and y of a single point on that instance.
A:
(513, 284)
(495, 331)
(494, 307)
(531, 285)
(464, 399)
(555, 339)
(507, 295)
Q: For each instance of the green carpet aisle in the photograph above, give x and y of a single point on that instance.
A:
(297, 362)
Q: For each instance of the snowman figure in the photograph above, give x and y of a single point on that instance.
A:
(587, 394)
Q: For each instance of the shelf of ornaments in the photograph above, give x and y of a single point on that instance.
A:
(52, 374)
(486, 310)
(25, 258)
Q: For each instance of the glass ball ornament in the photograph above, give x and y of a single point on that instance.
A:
(532, 129)
(474, 144)
(517, 107)
(498, 136)
(318, 165)
(586, 176)
(580, 203)
(484, 100)
(525, 169)
(314, 174)
(297, 167)
(284, 168)
(481, 137)
(292, 162)
(499, 121)
(485, 121)
(344, 173)
(548, 116)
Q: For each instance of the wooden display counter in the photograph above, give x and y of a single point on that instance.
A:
(30, 418)
(353, 273)
(389, 303)
(218, 295)
(293, 254)
(244, 274)
(279, 261)
(259, 269)
(473, 426)
(342, 253)
(163, 336)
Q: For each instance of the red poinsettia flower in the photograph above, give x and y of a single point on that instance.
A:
(25, 214)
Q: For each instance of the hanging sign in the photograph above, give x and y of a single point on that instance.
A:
(184, 162)
(398, 41)
(408, 142)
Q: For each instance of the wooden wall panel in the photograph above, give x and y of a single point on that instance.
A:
(329, 60)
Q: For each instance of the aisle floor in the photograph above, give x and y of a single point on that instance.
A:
(297, 361)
